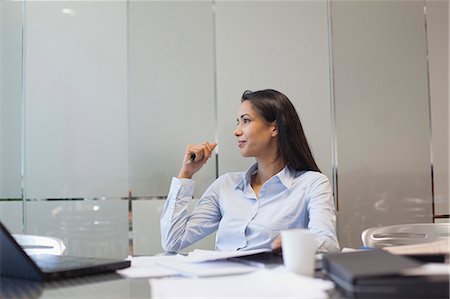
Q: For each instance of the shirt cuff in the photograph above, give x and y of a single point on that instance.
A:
(182, 187)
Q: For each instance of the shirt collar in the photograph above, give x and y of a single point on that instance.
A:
(247, 177)
(285, 176)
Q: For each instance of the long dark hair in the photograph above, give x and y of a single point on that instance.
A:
(293, 146)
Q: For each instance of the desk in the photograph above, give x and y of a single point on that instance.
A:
(108, 286)
(105, 286)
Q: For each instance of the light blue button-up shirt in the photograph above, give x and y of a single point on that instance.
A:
(244, 221)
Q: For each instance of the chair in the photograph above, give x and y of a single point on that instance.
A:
(405, 234)
(40, 245)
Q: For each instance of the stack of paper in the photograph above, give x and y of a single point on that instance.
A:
(207, 269)
(148, 266)
(276, 283)
(198, 263)
(437, 247)
(204, 263)
(200, 255)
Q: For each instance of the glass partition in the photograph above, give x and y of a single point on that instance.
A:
(11, 107)
(171, 91)
(76, 151)
(98, 100)
(382, 115)
(274, 44)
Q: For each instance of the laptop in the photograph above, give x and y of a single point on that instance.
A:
(15, 263)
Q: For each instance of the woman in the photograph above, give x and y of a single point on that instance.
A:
(283, 189)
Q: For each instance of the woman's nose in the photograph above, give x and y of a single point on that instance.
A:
(237, 131)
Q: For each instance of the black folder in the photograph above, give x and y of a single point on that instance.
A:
(377, 274)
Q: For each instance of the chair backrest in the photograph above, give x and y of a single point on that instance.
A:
(405, 234)
(40, 245)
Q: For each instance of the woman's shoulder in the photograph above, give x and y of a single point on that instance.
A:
(236, 176)
(311, 177)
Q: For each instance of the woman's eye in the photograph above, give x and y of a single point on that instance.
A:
(239, 122)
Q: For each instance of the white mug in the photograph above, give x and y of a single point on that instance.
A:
(298, 246)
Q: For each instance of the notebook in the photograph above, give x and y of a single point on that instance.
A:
(15, 263)
(380, 274)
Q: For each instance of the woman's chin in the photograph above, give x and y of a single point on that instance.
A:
(245, 154)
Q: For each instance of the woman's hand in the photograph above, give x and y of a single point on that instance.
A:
(195, 157)
(276, 244)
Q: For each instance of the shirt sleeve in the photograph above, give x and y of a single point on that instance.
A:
(180, 228)
(322, 215)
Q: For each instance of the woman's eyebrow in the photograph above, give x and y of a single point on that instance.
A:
(242, 116)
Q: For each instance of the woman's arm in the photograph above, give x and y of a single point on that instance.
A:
(195, 156)
(322, 215)
(321, 218)
(179, 228)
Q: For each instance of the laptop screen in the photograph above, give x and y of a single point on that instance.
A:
(14, 262)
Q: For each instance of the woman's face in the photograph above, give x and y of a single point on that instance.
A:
(255, 136)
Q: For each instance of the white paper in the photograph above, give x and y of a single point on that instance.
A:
(200, 255)
(148, 266)
(202, 263)
(207, 269)
(428, 269)
(437, 247)
(275, 283)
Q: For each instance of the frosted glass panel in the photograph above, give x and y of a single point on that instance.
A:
(147, 229)
(279, 45)
(76, 99)
(171, 102)
(382, 115)
(87, 227)
(10, 98)
(438, 51)
(11, 216)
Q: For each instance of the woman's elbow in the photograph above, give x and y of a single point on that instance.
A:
(169, 245)
(330, 246)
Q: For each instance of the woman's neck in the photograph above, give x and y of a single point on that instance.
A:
(266, 170)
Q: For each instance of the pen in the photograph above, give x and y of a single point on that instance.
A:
(192, 158)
